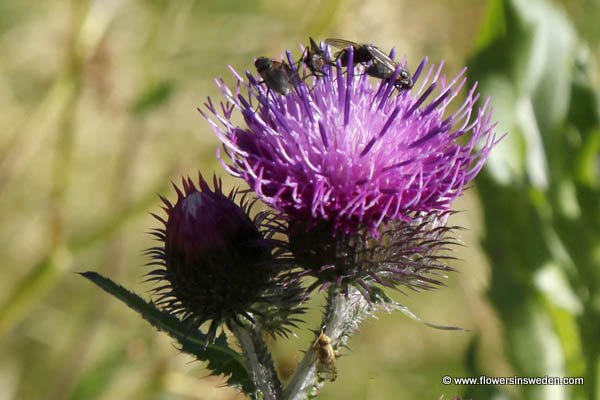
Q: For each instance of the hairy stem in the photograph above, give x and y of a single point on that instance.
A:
(260, 362)
(342, 315)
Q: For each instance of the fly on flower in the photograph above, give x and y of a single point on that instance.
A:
(315, 58)
(277, 75)
(381, 65)
(362, 52)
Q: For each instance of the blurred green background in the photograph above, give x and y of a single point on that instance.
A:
(98, 113)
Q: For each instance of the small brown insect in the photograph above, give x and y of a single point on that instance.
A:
(326, 356)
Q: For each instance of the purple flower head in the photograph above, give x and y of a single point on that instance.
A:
(216, 265)
(351, 151)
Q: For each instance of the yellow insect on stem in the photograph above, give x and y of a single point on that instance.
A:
(326, 356)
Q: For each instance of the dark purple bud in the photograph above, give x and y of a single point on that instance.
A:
(215, 264)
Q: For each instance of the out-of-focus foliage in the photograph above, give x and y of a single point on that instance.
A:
(97, 109)
(541, 195)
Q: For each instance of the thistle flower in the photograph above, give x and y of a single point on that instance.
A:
(346, 151)
(346, 159)
(216, 265)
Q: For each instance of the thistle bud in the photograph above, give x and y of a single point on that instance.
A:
(216, 265)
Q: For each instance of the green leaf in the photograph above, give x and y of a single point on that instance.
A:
(540, 191)
(222, 360)
(525, 61)
(154, 96)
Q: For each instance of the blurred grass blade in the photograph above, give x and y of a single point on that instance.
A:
(100, 376)
(47, 273)
(221, 359)
(152, 97)
(36, 284)
(475, 369)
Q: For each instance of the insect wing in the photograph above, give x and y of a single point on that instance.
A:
(380, 71)
(327, 372)
(382, 58)
(341, 43)
(403, 82)
(292, 76)
(360, 54)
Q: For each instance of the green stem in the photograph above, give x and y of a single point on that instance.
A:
(343, 313)
(260, 362)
